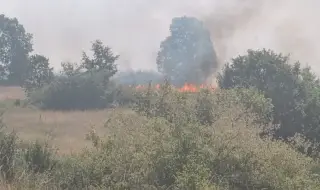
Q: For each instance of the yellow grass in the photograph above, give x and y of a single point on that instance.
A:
(7, 93)
(64, 130)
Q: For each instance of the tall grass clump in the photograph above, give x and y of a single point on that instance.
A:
(8, 148)
(39, 157)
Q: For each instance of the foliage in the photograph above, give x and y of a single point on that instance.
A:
(39, 73)
(70, 93)
(204, 105)
(70, 69)
(85, 86)
(103, 59)
(8, 147)
(187, 55)
(154, 153)
(170, 145)
(208, 105)
(293, 91)
(39, 158)
(15, 46)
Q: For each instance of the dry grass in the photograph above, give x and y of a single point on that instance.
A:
(8, 92)
(64, 130)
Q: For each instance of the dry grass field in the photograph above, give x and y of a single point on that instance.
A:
(64, 130)
(7, 93)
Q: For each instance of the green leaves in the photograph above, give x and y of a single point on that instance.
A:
(292, 89)
(39, 73)
(15, 46)
(103, 59)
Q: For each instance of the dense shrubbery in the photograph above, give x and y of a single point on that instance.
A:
(71, 93)
(84, 86)
(82, 93)
(208, 140)
(294, 91)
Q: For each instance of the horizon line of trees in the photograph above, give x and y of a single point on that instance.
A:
(187, 55)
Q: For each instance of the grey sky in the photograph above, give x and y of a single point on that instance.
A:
(135, 28)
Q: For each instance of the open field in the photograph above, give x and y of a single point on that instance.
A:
(7, 93)
(64, 130)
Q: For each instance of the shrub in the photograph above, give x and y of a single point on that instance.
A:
(142, 153)
(170, 146)
(294, 91)
(71, 93)
(204, 106)
(8, 148)
(166, 152)
(39, 158)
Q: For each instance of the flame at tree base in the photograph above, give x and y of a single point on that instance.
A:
(185, 88)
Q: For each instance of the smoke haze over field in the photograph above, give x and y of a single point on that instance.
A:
(135, 28)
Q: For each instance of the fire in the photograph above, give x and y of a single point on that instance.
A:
(185, 88)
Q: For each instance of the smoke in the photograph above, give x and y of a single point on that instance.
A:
(135, 28)
(286, 26)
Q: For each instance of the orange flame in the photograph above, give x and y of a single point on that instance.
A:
(185, 88)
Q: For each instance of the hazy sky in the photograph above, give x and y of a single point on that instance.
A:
(135, 28)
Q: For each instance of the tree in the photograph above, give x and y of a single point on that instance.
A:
(103, 59)
(83, 86)
(102, 64)
(15, 46)
(39, 73)
(70, 69)
(295, 92)
(187, 55)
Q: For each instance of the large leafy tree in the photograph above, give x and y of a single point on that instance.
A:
(39, 73)
(187, 55)
(295, 91)
(15, 46)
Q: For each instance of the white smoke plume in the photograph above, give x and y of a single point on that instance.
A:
(135, 28)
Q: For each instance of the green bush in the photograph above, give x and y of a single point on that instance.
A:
(142, 153)
(39, 158)
(71, 93)
(170, 145)
(82, 93)
(121, 96)
(294, 90)
(204, 106)
(8, 148)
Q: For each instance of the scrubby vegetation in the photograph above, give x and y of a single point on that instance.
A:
(209, 140)
(258, 130)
